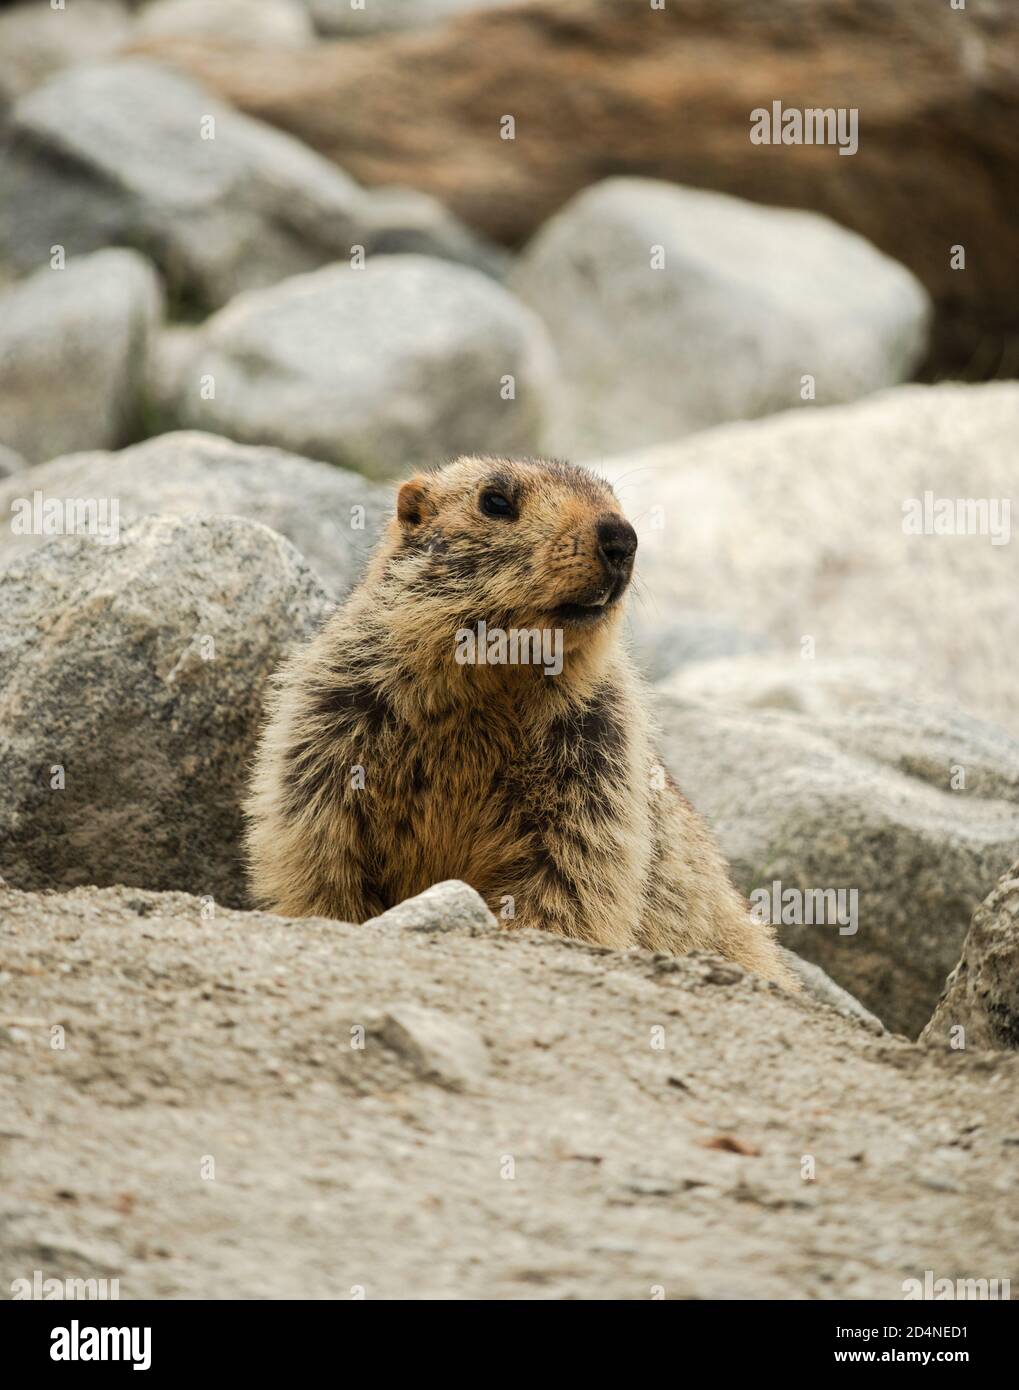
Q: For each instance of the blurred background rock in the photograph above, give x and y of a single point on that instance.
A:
(411, 92)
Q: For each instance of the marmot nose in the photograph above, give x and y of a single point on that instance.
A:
(617, 541)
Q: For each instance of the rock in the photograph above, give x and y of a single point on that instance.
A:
(823, 988)
(584, 1164)
(131, 685)
(332, 516)
(449, 906)
(791, 531)
(673, 310)
(73, 350)
(909, 808)
(817, 688)
(667, 93)
(10, 462)
(128, 152)
(270, 23)
(167, 370)
(438, 1048)
(670, 638)
(981, 996)
(382, 369)
(381, 16)
(402, 221)
(37, 40)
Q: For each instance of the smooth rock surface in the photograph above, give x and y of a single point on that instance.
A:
(790, 531)
(449, 906)
(130, 152)
(382, 369)
(673, 309)
(406, 222)
(74, 344)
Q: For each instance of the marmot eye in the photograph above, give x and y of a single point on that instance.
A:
(496, 504)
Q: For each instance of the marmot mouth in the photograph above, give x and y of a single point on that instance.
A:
(596, 609)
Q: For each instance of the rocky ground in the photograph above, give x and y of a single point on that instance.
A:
(836, 696)
(258, 259)
(527, 1118)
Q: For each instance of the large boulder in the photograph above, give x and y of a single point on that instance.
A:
(216, 1104)
(980, 1003)
(673, 310)
(667, 91)
(131, 685)
(332, 516)
(130, 153)
(826, 780)
(381, 368)
(74, 345)
(801, 532)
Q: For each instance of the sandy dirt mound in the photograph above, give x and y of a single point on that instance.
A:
(527, 1118)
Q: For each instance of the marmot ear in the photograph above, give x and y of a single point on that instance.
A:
(414, 502)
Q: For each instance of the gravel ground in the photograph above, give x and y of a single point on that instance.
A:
(510, 1129)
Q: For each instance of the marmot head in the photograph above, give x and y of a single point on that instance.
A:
(519, 543)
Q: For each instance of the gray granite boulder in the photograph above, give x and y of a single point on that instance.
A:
(131, 682)
(74, 345)
(865, 823)
(881, 529)
(674, 309)
(980, 1003)
(401, 363)
(129, 153)
(331, 515)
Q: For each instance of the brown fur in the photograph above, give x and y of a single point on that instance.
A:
(541, 791)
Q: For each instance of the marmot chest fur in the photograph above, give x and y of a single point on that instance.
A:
(471, 713)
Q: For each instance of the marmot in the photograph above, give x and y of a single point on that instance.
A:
(409, 742)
